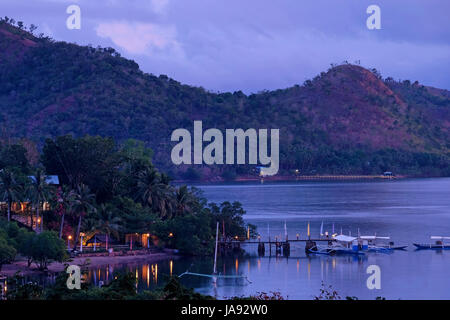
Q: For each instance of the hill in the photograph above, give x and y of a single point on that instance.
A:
(347, 120)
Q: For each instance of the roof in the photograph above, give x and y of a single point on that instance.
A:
(345, 238)
(48, 179)
(439, 238)
(374, 237)
(101, 238)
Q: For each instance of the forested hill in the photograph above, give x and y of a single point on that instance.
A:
(347, 120)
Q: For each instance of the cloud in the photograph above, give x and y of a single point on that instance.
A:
(139, 38)
(256, 44)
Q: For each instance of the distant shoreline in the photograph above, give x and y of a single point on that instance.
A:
(281, 178)
(318, 177)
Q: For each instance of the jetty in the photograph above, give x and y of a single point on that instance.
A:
(276, 246)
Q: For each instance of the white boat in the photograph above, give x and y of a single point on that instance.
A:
(379, 244)
(347, 245)
(339, 244)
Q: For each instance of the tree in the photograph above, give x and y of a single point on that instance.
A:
(14, 156)
(7, 253)
(39, 192)
(135, 217)
(191, 234)
(91, 161)
(47, 246)
(25, 246)
(154, 192)
(9, 188)
(230, 216)
(33, 28)
(107, 222)
(185, 201)
(83, 204)
(65, 199)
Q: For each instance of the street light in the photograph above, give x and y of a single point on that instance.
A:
(68, 242)
(81, 241)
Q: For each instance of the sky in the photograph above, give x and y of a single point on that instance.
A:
(255, 45)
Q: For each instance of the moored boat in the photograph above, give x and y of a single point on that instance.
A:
(380, 244)
(348, 245)
(438, 245)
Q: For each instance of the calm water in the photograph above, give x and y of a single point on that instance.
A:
(406, 210)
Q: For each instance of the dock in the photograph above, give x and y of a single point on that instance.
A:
(280, 246)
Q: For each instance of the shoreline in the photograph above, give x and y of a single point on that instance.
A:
(9, 270)
(283, 178)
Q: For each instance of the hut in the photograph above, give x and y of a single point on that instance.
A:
(100, 241)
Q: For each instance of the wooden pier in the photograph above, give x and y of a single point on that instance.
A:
(280, 246)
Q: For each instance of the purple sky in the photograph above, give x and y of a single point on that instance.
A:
(252, 45)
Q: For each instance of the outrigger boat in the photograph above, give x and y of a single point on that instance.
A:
(215, 276)
(374, 244)
(340, 244)
(348, 245)
(438, 245)
(343, 244)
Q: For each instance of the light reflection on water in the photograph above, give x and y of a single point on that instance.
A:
(146, 274)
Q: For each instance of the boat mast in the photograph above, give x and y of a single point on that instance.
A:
(285, 230)
(215, 253)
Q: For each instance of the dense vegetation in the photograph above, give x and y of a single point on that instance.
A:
(348, 120)
(37, 248)
(109, 189)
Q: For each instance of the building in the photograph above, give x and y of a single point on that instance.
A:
(23, 210)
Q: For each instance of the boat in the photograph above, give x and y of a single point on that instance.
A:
(380, 244)
(348, 245)
(340, 244)
(438, 245)
(215, 276)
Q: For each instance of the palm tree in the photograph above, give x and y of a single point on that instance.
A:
(167, 203)
(184, 201)
(107, 223)
(9, 188)
(83, 203)
(154, 190)
(39, 191)
(65, 200)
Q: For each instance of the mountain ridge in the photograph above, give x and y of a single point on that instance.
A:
(345, 120)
